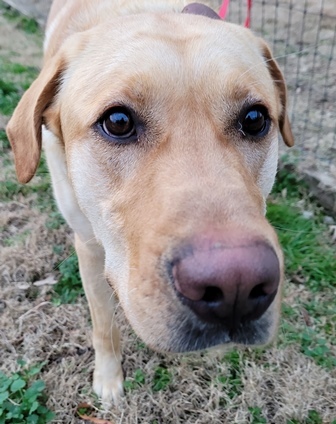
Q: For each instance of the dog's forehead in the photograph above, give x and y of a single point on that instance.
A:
(183, 34)
(168, 40)
(163, 55)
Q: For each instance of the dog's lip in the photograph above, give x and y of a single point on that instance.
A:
(190, 337)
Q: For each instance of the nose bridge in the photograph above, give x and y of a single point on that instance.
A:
(209, 170)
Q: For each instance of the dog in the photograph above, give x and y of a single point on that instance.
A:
(160, 125)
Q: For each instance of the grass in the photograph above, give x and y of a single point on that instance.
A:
(162, 379)
(69, 285)
(138, 380)
(14, 80)
(256, 416)
(313, 418)
(309, 257)
(28, 25)
(310, 262)
(23, 397)
(309, 253)
(231, 381)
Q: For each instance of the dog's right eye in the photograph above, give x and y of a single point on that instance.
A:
(255, 121)
(117, 123)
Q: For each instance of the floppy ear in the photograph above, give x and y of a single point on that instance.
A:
(24, 128)
(280, 84)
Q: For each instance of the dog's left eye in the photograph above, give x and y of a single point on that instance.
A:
(255, 121)
(118, 123)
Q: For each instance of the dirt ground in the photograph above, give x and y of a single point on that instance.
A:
(279, 383)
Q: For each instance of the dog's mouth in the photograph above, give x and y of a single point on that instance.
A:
(188, 335)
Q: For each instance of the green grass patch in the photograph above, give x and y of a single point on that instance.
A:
(28, 25)
(69, 286)
(9, 190)
(309, 254)
(14, 80)
(310, 260)
(13, 70)
(311, 342)
(23, 397)
(10, 94)
(232, 382)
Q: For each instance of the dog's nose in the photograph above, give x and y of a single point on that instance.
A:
(228, 284)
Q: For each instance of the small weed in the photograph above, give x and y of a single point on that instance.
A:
(69, 286)
(162, 378)
(138, 380)
(23, 399)
(256, 416)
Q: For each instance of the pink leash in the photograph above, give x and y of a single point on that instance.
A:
(224, 9)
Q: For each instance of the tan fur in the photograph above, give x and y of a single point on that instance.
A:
(188, 77)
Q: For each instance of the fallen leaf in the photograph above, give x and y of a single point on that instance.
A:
(23, 285)
(49, 281)
(90, 418)
(306, 317)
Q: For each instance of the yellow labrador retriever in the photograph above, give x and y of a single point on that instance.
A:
(160, 124)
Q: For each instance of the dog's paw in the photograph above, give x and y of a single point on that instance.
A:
(108, 379)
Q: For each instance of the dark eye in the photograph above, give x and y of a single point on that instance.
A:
(255, 122)
(118, 123)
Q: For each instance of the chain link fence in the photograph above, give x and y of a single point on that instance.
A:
(302, 35)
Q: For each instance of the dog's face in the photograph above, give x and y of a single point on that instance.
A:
(170, 127)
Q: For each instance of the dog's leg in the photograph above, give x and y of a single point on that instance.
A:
(108, 375)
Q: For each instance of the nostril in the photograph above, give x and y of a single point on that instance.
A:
(213, 294)
(258, 292)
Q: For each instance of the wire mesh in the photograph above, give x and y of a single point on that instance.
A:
(302, 35)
